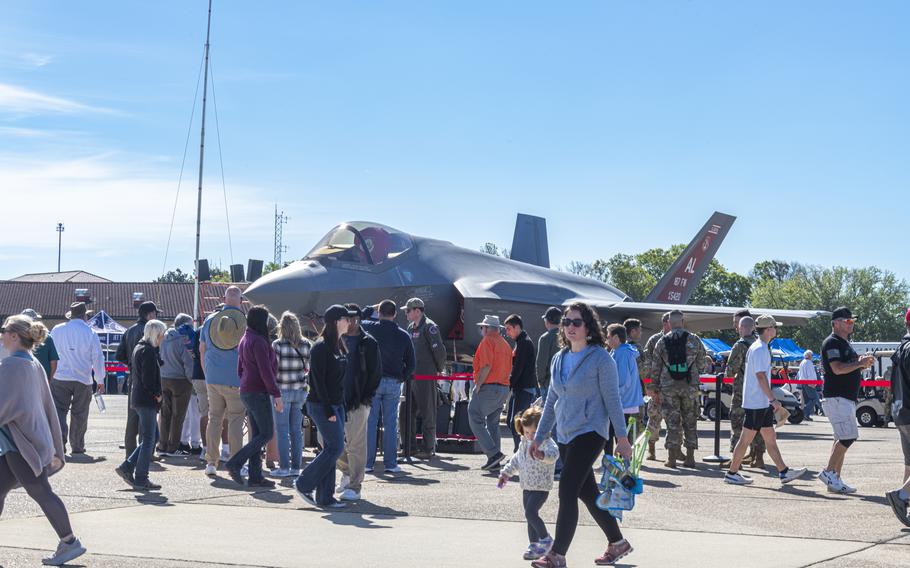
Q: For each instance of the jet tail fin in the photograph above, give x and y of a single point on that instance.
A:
(529, 244)
(677, 285)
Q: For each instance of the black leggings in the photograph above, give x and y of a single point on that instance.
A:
(577, 483)
(13, 470)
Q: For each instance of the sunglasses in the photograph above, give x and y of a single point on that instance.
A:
(850, 321)
(566, 322)
(2, 330)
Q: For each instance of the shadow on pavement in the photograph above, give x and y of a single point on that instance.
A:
(362, 514)
(85, 459)
(272, 496)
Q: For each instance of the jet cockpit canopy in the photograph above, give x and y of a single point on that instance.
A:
(362, 243)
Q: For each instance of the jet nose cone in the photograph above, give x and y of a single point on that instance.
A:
(286, 289)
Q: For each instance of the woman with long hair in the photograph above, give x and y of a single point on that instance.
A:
(257, 365)
(316, 484)
(585, 382)
(145, 397)
(31, 443)
(293, 352)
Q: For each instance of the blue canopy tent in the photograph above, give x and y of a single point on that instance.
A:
(786, 350)
(716, 347)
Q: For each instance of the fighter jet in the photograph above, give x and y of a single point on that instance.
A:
(365, 262)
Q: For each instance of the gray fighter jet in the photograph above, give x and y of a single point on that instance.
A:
(364, 263)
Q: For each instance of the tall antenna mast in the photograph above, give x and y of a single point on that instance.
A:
(197, 316)
(280, 249)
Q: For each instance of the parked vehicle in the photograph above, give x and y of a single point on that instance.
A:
(787, 399)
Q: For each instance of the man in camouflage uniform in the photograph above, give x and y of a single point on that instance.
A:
(652, 387)
(679, 398)
(736, 368)
(430, 351)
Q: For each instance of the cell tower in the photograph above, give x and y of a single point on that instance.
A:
(280, 249)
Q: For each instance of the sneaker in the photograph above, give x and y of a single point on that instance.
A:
(236, 475)
(392, 470)
(146, 486)
(343, 484)
(225, 454)
(210, 470)
(614, 552)
(349, 495)
(899, 506)
(294, 472)
(846, 489)
(368, 470)
(278, 472)
(65, 552)
(534, 551)
(546, 542)
(550, 560)
(827, 477)
(181, 454)
(792, 474)
(737, 479)
(245, 471)
(335, 506)
(261, 483)
(125, 475)
(493, 461)
(424, 455)
(307, 496)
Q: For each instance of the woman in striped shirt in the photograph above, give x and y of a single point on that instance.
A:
(293, 352)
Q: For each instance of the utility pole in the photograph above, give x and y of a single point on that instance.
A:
(59, 243)
(197, 315)
(280, 221)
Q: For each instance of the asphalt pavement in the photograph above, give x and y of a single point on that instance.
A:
(450, 513)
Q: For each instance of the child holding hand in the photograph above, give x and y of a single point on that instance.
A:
(536, 479)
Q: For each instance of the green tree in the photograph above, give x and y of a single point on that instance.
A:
(495, 250)
(877, 297)
(771, 270)
(219, 274)
(176, 275)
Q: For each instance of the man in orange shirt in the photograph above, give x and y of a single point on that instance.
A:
(492, 367)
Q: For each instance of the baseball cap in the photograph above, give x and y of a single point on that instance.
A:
(413, 303)
(841, 313)
(28, 312)
(764, 322)
(337, 311)
(552, 315)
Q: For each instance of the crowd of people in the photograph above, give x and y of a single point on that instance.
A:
(568, 399)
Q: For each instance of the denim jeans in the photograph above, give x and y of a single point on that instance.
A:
(319, 474)
(385, 402)
(520, 401)
(484, 411)
(259, 410)
(810, 400)
(289, 424)
(138, 462)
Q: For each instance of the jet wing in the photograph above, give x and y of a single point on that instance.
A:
(700, 318)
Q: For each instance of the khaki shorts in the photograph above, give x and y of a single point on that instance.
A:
(202, 397)
(841, 413)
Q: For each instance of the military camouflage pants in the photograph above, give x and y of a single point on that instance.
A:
(737, 416)
(679, 405)
(655, 417)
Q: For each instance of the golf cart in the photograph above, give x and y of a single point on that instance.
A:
(872, 406)
(787, 399)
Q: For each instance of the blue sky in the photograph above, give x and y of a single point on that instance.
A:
(624, 123)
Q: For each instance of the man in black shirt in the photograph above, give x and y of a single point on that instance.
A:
(523, 379)
(843, 372)
(900, 387)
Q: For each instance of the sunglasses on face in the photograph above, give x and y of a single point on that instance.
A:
(849, 321)
(566, 322)
(2, 330)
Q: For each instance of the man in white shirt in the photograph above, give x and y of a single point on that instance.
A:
(80, 356)
(760, 405)
(810, 394)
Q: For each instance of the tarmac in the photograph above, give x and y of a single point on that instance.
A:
(450, 513)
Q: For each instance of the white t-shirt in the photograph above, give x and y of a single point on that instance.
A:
(758, 360)
(807, 371)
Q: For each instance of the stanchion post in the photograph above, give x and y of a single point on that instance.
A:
(718, 411)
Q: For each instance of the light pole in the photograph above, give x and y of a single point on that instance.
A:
(59, 243)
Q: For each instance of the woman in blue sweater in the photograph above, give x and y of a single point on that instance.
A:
(584, 402)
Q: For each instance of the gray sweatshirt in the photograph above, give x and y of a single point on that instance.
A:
(178, 362)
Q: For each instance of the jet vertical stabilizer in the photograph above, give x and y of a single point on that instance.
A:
(682, 279)
(529, 245)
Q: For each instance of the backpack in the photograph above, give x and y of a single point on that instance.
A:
(676, 356)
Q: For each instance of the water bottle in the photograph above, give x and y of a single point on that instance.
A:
(99, 402)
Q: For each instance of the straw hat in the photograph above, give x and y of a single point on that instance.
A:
(226, 328)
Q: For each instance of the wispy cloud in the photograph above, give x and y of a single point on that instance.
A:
(36, 59)
(23, 101)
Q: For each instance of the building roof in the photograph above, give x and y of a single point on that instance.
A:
(52, 299)
(68, 276)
